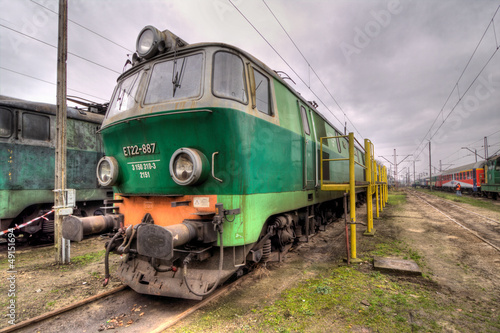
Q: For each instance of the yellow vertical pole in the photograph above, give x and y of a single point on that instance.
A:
(321, 157)
(352, 195)
(369, 189)
(386, 186)
(383, 187)
(377, 186)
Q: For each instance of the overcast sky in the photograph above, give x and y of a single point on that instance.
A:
(392, 66)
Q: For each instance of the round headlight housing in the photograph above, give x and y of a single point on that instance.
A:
(188, 166)
(147, 42)
(107, 171)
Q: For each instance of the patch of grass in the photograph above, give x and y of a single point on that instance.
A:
(88, 258)
(96, 275)
(355, 298)
(396, 198)
(388, 249)
(486, 204)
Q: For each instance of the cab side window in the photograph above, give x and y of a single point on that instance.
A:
(305, 121)
(228, 79)
(262, 93)
(36, 127)
(6, 123)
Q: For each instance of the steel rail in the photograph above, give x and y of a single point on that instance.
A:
(458, 223)
(56, 312)
(465, 209)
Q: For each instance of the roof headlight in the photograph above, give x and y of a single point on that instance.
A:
(148, 41)
(188, 166)
(107, 171)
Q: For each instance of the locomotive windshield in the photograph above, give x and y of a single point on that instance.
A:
(125, 95)
(175, 79)
(182, 77)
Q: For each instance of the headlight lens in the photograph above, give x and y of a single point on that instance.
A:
(188, 166)
(147, 42)
(107, 171)
(183, 167)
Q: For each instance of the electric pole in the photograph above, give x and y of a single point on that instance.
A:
(485, 147)
(62, 246)
(395, 164)
(430, 167)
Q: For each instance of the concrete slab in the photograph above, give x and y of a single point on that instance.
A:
(396, 265)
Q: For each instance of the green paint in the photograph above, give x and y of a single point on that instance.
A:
(27, 168)
(257, 208)
(255, 156)
(31, 167)
(13, 202)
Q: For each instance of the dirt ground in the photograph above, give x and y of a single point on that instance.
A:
(42, 286)
(463, 268)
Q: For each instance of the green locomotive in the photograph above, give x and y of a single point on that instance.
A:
(214, 160)
(27, 141)
(491, 186)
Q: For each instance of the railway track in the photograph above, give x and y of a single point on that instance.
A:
(120, 309)
(485, 228)
(124, 310)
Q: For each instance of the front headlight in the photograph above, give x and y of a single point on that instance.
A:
(188, 166)
(107, 171)
(147, 42)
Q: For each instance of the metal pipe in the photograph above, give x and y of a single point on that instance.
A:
(352, 195)
(74, 227)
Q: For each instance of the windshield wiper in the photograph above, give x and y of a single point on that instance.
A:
(177, 76)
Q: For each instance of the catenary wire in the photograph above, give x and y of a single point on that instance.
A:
(455, 86)
(53, 46)
(283, 59)
(52, 83)
(82, 26)
(309, 64)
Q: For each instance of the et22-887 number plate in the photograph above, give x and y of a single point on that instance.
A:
(135, 150)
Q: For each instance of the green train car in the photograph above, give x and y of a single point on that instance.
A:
(491, 186)
(214, 161)
(27, 142)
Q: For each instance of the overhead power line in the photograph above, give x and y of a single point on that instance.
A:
(51, 83)
(308, 64)
(53, 46)
(283, 59)
(455, 86)
(84, 27)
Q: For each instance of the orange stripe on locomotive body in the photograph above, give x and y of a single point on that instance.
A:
(134, 208)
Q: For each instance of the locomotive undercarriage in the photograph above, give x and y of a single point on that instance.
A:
(185, 261)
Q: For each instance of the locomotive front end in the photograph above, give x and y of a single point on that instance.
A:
(165, 136)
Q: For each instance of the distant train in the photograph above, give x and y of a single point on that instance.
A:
(480, 178)
(27, 150)
(214, 160)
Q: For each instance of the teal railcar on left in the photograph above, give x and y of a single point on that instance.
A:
(27, 153)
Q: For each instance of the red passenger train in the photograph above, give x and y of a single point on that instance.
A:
(470, 177)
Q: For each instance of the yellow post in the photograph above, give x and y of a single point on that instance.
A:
(369, 190)
(386, 186)
(377, 186)
(383, 186)
(321, 157)
(352, 195)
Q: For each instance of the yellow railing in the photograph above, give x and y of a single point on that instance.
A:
(375, 182)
